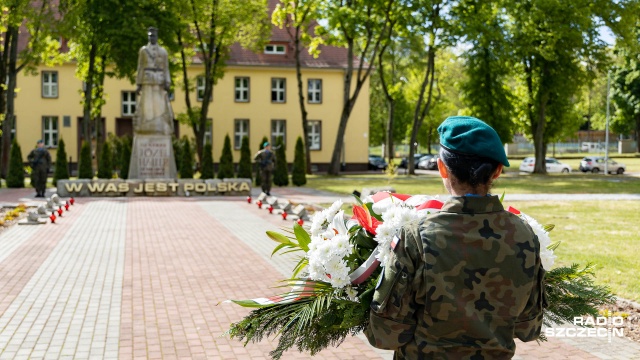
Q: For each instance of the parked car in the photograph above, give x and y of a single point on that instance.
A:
(377, 163)
(433, 163)
(416, 158)
(423, 163)
(553, 165)
(595, 164)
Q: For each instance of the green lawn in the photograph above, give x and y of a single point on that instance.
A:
(605, 233)
(513, 183)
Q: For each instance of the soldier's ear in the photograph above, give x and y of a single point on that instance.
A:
(498, 171)
(444, 173)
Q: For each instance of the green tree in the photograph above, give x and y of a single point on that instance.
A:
(431, 31)
(553, 40)
(626, 93)
(298, 17)
(177, 151)
(28, 40)
(298, 176)
(258, 172)
(212, 27)
(105, 167)
(125, 157)
(281, 172)
(186, 161)
(15, 176)
(62, 165)
(85, 168)
(206, 170)
(225, 168)
(246, 162)
(489, 64)
(362, 26)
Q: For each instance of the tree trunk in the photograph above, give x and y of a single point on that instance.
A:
(638, 133)
(420, 111)
(97, 120)
(6, 125)
(88, 96)
(334, 166)
(303, 109)
(11, 88)
(539, 142)
(392, 109)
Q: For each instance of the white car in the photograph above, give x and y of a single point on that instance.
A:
(553, 165)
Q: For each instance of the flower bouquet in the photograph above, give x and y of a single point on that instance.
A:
(332, 284)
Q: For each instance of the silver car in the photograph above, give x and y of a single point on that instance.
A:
(595, 164)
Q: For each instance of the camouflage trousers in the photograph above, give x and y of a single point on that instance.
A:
(267, 178)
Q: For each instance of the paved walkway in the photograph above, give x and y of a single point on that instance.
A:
(141, 278)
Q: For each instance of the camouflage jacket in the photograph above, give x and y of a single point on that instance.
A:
(463, 284)
(266, 159)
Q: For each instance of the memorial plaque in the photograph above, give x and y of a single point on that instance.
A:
(152, 158)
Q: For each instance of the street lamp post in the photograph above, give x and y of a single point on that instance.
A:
(606, 134)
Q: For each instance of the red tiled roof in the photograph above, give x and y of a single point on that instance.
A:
(329, 57)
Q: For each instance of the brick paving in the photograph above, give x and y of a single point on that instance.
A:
(144, 278)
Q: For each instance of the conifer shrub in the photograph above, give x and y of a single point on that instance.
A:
(85, 168)
(186, 160)
(281, 173)
(105, 166)
(61, 171)
(15, 174)
(298, 175)
(246, 163)
(177, 152)
(206, 169)
(225, 168)
(125, 156)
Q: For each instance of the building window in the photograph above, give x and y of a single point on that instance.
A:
(50, 131)
(50, 84)
(241, 129)
(208, 133)
(314, 91)
(278, 90)
(278, 129)
(128, 103)
(242, 89)
(315, 134)
(272, 49)
(200, 89)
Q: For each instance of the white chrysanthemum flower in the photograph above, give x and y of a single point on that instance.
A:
(352, 293)
(341, 245)
(384, 232)
(389, 215)
(316, 271)
(317, 221)
(315, 242)
(324, 252)
(339, 282)
(333, 210)
(547, 256)
(406, 216)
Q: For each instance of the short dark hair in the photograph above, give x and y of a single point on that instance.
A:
(473, 170)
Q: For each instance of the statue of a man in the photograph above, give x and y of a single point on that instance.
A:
(153, 113)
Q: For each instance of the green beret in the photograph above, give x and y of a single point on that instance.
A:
(468, 135)
(266, 143)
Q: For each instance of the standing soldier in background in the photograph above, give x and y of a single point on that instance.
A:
(266, 161)
(467, 280)
(40, 160)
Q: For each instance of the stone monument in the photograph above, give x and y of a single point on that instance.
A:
(152, 156)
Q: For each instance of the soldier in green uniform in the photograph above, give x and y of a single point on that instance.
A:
(467, 280)
(40, 160)
(266, 160)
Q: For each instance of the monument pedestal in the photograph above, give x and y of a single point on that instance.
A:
(152, 157)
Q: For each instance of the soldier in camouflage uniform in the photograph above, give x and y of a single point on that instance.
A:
(467, 280)
(39, 160)
(266, 162)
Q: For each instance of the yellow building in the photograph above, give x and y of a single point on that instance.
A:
(257, 97)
